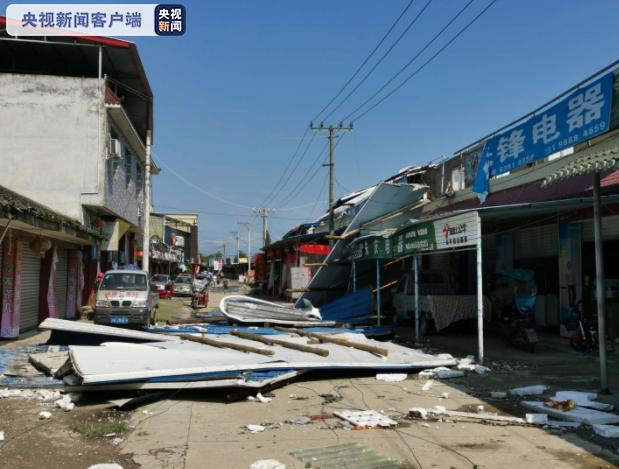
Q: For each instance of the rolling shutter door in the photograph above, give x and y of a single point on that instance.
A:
(60, 285)
(610, 229)
(30, 279)
(540, 241)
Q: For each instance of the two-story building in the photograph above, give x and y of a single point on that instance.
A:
(76, 117)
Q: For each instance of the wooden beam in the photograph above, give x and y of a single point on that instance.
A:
(230, 345)
(334, 340)
(282, 343)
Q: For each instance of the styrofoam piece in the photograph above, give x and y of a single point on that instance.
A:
(529, 390)
(562, 424)
(166, 361)
(418, 412)
(578, 414)
(106, 466)
(391, 377)
(267, 464)
(607, 431)
(366, 418)
(427, 385)
(536, 419)
(64, 325)
(583, 399)
(498, 394)
(45, 415)
(438, 410)
(254, 428)
(1, 436)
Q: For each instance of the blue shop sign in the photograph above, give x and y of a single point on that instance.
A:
(580, 116)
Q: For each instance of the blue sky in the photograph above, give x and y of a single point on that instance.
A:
(235, 93)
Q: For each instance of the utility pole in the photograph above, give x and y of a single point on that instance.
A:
(146, 233)
(332, 136)
(264, 213)
(238, 246)
(224, 259)
(247, 225)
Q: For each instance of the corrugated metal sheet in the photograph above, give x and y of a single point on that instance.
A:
(539, 241)
(30, 279)
(610, 228)
(355, 307)
(60, 285)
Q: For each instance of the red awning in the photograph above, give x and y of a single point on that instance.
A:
(322, 249)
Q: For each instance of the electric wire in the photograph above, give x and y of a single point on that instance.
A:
(198, 188)
(293, 171)
(367, 59)
(409, 77)
(271, 195)
(383, 57)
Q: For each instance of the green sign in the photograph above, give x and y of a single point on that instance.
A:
(374, 247)
(418, 238)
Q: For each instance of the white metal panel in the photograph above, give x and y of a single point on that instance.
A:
(539, 241)
(60, 285)
(610, 228)
(30, 279)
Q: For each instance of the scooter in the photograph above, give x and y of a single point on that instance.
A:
(199, 292)
(585, 336)
(515, 295)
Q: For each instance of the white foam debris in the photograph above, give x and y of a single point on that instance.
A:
(607, 431)
(65, 403)
(427, 385)
(254, 428)
(537, 419)
(267, 464)
(391, 377)
(498, 394)
(529, 390)
(45, 415)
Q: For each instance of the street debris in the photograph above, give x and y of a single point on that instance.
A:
(245, 309)
(267, 464)
(607, 431)
(1, 436)
(252, 428)
(578, 414)
(391, 377)
(106, 466)
(348, 454)
(529, 390)
(45, 415)
(498, 394)
(303, 420)
(427, 385)
(583, 399)
(441, 372)
(260, 398)
(440, 411)
(365, 419)
(537, 419)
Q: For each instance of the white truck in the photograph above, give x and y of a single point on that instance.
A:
(126, 298)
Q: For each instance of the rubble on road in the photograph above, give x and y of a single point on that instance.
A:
(529, 390)
(365, 419)
(578, 414)
(267, 464)
(391, 377)
(607, 431)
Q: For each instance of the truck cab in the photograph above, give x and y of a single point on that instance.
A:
(126, 298)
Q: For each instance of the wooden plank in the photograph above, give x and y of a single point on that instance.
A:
(282, 343)
(222, 344)
(334, 340)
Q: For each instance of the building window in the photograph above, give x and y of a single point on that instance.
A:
(128, 165)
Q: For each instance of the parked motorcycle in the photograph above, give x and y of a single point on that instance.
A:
(199, 293)
(585, 333)
(514, 297)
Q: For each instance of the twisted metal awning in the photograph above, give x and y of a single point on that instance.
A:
(590, 162)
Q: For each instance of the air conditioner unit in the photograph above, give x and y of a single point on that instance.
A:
(114, 150)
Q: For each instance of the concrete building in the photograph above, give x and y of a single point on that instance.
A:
(73, 131)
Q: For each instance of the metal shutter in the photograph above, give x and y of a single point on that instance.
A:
(30, 278)
(60, 285)
(540, 241)
(610, 228)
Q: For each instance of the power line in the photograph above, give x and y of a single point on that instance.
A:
(427, 62)
(221, 214)
(296, 166)
(198, 188)
(383, 57)
(370, 55)
(281, 177)
(272, 197)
